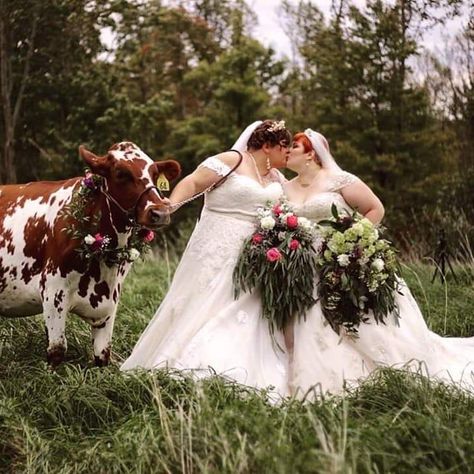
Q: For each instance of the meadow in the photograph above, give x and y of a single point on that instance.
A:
(96, 420)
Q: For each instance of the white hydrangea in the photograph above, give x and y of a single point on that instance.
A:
(378, 264)
(343, 260)
(133, 254)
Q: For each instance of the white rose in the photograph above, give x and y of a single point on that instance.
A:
(343, 260)
(89, 239)
(267, 223)
(304, 223)
(133, 254)
(378, 264)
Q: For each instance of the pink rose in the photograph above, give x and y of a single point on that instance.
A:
(294, 244)
(292, 222)
(273, 254)
(277, 210)
(257, 239)
(149, 236)
(99, 240)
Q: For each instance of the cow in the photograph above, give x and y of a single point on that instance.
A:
(41, 269)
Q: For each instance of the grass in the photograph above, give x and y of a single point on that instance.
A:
(83, 419)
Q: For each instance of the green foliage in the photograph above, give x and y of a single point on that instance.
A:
(182, 79)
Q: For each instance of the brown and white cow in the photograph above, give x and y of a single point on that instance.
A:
(40, 269)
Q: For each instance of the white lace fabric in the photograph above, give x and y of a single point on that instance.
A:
(326, 361)
(199, 325)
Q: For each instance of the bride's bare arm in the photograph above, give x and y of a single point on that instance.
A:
(359, 196)
(200, 179)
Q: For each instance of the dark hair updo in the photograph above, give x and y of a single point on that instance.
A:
(272, 132)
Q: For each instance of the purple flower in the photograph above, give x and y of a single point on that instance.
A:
(88, 182)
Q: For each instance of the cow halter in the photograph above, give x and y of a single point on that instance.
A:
(131, 213)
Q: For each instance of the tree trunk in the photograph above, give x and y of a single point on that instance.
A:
(11, 113)
(5, 88)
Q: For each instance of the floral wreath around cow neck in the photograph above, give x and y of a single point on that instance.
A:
(95, 245)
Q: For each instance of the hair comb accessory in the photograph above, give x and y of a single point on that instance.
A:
(277, 126)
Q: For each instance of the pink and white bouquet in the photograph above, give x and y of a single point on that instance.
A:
(279, 261)
(357, 271)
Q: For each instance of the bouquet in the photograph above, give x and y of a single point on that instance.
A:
(279, 261)
(357, 272)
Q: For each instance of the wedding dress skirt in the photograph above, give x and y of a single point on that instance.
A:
(199, 327)
(323, 362)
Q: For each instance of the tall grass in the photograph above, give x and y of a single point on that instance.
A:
(83, 419)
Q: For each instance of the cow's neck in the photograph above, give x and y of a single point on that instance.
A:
(113, 222)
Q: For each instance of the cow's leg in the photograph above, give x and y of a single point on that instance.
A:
(102, 338)
(55, 308)
(57, 344)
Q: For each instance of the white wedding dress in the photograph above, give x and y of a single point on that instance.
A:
(199, 326)
(322, 361)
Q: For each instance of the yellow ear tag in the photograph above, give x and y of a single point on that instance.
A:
(162, 183)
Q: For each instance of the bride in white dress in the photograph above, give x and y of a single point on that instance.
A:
(199, 325)
(320, 360)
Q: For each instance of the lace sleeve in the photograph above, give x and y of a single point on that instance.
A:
(341, 180)
(214, 164)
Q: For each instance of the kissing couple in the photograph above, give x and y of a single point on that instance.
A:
(200, 327)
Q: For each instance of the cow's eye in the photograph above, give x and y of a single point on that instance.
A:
(124, 175)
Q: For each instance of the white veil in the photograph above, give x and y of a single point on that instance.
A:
(318, 141)
(241, 143)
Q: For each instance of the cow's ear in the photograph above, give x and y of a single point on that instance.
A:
(98, 164)
(170, 168)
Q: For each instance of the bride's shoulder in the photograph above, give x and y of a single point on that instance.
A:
(221, 163)
(340, 179)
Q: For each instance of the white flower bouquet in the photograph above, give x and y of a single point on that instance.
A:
(357, 270)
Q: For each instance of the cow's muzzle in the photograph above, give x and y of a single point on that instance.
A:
(159, 218)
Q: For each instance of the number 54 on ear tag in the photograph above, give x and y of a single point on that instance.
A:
(162, 183)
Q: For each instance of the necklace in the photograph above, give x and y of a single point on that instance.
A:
(259, 176)
(309, 183)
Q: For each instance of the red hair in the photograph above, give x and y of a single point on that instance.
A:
(304, 140)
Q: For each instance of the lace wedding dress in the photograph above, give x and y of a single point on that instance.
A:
(324, 360)
(199, 325)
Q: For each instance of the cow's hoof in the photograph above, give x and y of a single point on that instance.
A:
(103, 359)
(56, 356)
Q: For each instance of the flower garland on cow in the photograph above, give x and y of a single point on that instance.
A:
(95, 245)
(279, 261)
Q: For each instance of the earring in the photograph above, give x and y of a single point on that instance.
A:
(307, 162)
(269, 165)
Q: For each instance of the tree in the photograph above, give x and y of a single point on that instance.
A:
(15, 63)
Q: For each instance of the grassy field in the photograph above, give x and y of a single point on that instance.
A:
(84, 419)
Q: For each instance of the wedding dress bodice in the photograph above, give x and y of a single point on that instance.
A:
(239, 195)
(318, 206)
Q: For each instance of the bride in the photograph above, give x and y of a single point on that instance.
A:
(322, 361)
(199, 325)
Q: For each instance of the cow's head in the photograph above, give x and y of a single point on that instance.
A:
(131, 176)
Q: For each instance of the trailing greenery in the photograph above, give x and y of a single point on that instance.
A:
(85, 419)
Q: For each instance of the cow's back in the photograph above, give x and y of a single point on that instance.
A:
(31, 233)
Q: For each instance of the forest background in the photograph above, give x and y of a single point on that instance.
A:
(183, 78)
